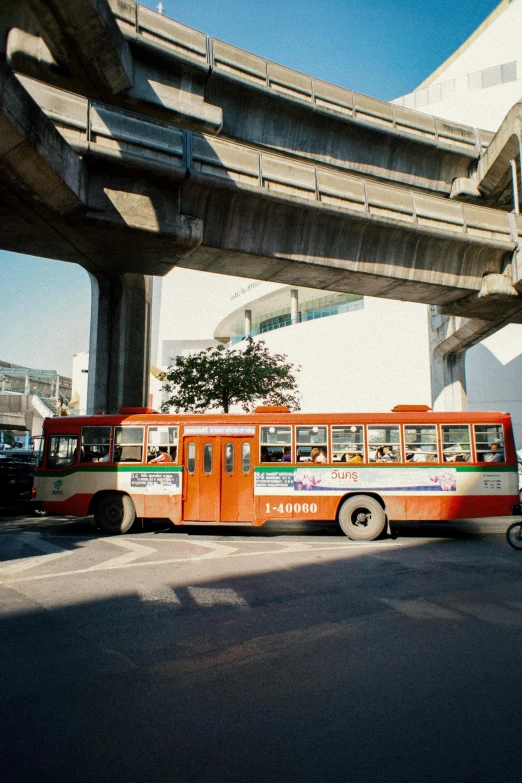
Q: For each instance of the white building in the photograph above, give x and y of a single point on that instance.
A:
(375, 353)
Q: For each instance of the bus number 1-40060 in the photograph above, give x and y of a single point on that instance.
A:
(293, 508)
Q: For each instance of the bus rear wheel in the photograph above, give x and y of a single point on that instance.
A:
(115, 513)
(362, 518)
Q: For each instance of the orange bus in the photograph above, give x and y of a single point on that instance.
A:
(361, 470)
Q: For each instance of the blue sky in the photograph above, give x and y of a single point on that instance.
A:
(383, 48)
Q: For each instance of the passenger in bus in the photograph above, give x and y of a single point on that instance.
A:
(318, 455)
(162, 455)
(456, 454)
(384, 454)
(106, 455)
(418, 455)
(265, 454)
(496, 454)
(287, 454)
(351, 456)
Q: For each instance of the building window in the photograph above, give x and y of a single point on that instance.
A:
(490, 77)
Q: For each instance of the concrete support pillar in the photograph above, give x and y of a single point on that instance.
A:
(57, 387)
(119, 352)
(248, 322)
(448, 381)
(26, 386)
(450, 337)
(294, 306)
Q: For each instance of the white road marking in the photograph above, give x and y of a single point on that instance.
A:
(52, 552)
(421, 609)
(218, 550)
(491, 613)
(166, 561)
(136, 551)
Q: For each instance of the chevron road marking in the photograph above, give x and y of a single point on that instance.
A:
(51, 552)
(136, 551)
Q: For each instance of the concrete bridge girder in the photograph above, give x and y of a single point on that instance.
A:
(439, 253)
(180, 75)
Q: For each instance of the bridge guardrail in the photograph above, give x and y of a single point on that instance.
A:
(151, 29)
(101, 130)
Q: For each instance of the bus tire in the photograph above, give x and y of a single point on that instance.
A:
(362, 518)
(114, 513)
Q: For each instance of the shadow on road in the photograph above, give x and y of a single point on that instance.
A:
(365, 668)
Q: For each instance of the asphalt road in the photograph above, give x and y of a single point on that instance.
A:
(272, 654)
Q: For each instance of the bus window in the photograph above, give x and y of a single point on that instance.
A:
(61, 452)
(245, 458)
(207, 458)
(456, 443)
(128, 444)
(273, 441)
(312, 442)
(348, 443)
(420, 443)
(95, 444)
(229, 457)
(191, 458)
(384, 443)
(162, 444)
(489, 442)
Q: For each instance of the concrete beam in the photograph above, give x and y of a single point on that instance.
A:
(119, 348)
(35, 159)
(84, 38)
(171, 72)
(493, 173)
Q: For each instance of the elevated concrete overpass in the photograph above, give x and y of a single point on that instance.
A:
(131, 144)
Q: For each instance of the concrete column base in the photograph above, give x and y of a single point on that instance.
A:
(119, 353)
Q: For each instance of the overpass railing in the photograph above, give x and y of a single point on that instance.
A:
(93, 128)
(153, 30)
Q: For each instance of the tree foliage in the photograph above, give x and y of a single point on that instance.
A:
(220, 377)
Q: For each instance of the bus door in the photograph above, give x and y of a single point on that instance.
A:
(217, 480)
(237, 493)
(202, 479)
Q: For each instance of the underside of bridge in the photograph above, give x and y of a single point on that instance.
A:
(130, 144)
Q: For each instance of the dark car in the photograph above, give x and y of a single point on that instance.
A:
(16, 475)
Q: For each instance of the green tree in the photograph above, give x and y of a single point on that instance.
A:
(220, 377)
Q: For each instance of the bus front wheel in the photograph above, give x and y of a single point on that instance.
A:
(362, 518)
(115, 513)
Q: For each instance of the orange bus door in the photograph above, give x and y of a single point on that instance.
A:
(237, 493)
(202, 479)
